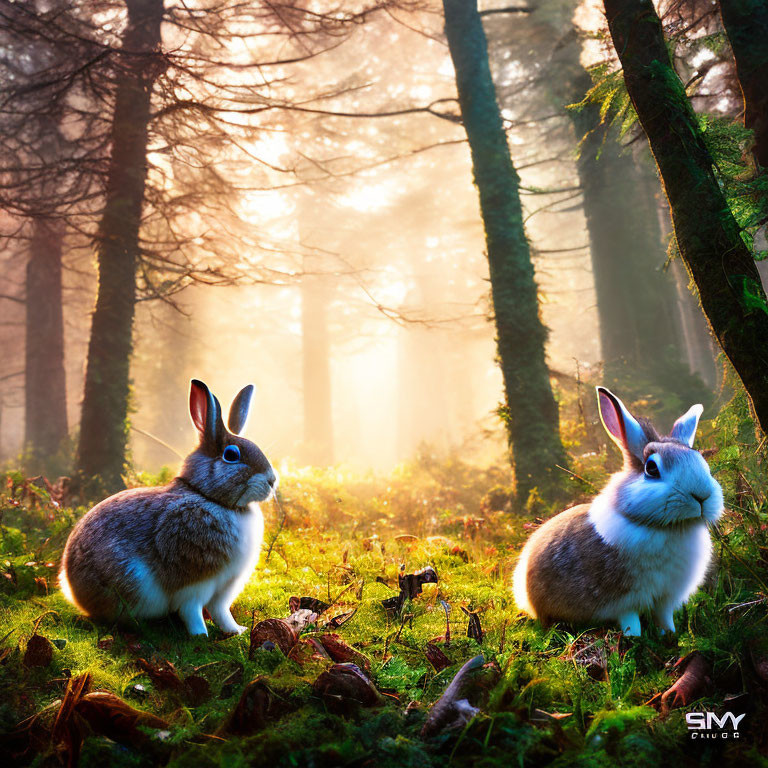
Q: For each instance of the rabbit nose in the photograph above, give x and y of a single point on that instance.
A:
(700, 499)
(272, 477)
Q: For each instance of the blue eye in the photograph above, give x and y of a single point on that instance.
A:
(231, 454)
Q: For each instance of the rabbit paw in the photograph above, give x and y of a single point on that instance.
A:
(629, 624)
(224, 621)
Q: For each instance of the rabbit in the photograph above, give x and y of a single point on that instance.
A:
(147, 552)
(642, 544)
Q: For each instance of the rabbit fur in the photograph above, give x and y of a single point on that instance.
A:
(643, 544)
(147, 552)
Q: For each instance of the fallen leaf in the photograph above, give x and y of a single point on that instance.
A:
(275, 631)
(308, 649)
(436, 657)
(474, 630)
(341, 652)
(308, 604)
(112, 717)
(340, 619)
(344, 687)
(39, 652)
(251, 711)
(162, 673)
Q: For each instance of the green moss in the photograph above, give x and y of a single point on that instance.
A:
(326, 549)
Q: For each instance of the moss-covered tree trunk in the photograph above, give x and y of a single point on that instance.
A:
(532, 413)
(45, 392)
(707, 234)
(746, 24)
(103, 425)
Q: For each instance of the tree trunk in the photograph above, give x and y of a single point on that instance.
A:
(746, 24)
(315, 347)
(627, 255)
(316, 369)
(103, 426)
(707, 234)
(45, 394)
(531, 409)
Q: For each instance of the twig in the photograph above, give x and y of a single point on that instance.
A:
(157, 440)
(578, 477)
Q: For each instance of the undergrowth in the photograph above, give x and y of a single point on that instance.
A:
(562, 696)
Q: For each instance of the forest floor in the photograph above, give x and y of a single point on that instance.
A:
(562, 696)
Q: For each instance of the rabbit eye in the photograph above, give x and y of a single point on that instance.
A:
(652, 469)
(231, 454)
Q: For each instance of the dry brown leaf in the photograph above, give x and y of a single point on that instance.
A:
(436, 657)
(162, 673)
(275, 631)
(342, 652)
(344, 687)
(39, 652)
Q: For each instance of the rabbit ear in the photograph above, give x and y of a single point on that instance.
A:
(620, 424)
(238, 411)
(684, 429)
(205, 411)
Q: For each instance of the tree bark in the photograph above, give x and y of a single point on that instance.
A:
(707, 234)
(746, 24)
(531, 410)
(45, 392)
(103, 426)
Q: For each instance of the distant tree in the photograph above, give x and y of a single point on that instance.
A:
(316, 297)
(166, 115)
(626, 249)
(35, 194)
(746, 24)
(706, 232)
(531, 409)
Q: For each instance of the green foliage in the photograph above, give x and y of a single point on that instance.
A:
(609, 94)
(343, 543)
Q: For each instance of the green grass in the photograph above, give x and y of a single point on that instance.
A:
(326, 550)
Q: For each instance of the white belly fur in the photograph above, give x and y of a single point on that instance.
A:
(154, 602)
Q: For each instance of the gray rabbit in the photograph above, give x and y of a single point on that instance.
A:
(192, 544)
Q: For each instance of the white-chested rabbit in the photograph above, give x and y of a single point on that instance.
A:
(147, 552)
(642, 544)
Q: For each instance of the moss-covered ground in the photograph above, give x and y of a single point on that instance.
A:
(562, 696)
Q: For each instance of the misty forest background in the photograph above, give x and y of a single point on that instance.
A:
(425, 231)
(312, 166)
